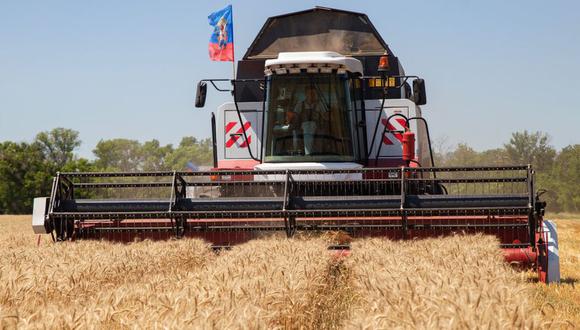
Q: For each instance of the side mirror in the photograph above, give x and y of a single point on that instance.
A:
(419, 95)
(200, 94)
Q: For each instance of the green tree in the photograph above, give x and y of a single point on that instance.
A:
(563, 181)
(118, 155)
(130, 155)
(27, 169)
(24, 175)
(190, 150)
(493, 157)
(58, 145)
(154, 156)
(531, 148)
(463, 155)
(79, 165)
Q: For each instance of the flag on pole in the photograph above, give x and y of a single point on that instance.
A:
(221, 42)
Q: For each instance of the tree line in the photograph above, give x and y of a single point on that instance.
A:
(557, 172)
(26, 169)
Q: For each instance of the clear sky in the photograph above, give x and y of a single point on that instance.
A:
(128, 68)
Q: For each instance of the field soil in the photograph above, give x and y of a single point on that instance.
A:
(454, 282)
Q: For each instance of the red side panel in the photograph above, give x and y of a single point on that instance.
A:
(237, 164)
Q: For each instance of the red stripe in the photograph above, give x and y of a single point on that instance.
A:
(247, 126)
(390, 127)
(397, 136)
(230, 125)
(244, 144)
(231, 141)
(386, 140)
(402, 121)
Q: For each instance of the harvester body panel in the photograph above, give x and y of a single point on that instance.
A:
(233, 151)
(387, 149)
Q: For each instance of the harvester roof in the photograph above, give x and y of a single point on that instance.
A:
(318, 29)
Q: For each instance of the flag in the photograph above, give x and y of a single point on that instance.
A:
(221, 42)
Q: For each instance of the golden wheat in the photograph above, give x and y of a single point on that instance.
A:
(459, 282)
(274, 282)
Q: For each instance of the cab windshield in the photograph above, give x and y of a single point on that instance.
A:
(308, 118)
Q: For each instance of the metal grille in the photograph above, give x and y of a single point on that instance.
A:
(393, 202)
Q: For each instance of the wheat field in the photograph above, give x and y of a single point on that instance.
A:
(455, 282)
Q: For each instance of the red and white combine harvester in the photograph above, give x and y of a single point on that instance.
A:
(325, 133)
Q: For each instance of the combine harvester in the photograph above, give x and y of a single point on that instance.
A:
(324, 133)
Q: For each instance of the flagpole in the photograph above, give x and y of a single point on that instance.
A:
(233, 50)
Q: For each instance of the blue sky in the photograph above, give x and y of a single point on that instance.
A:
(128, 68)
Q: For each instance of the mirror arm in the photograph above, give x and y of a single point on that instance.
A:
(213, 83)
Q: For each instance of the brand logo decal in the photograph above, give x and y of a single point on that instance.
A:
(236, 137)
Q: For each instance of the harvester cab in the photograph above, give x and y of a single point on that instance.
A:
(324, 133)
(313, 114)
